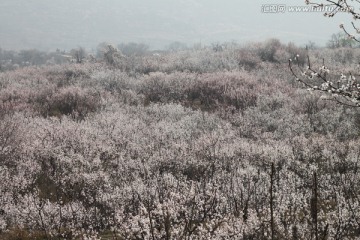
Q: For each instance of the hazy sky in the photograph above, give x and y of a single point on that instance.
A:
(65, 24)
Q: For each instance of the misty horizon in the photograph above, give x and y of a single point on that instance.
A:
(46, 25)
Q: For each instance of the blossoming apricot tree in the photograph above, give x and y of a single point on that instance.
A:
(340, 84)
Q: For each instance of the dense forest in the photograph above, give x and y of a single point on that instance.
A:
(214, 142)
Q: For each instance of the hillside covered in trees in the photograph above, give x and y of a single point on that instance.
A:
(215, 142)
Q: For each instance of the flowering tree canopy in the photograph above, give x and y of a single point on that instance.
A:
(209, 143)
(341, 85)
